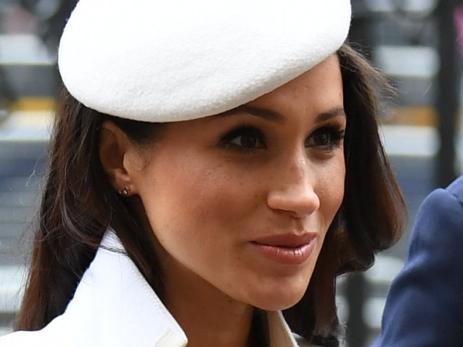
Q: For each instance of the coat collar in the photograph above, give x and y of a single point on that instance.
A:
(114, 306)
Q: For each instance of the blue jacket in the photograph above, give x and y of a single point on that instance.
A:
(424, 307)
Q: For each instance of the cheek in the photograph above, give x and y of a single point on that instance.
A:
(204, 194)
(188, 202)
(200, 215)
(331, 188)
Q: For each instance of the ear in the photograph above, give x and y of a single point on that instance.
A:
(115, 150)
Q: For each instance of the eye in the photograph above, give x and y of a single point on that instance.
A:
(244, 138)
(326, 138)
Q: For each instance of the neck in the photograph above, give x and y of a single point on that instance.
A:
(207, 315)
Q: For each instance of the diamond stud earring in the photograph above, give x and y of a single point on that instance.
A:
(124, 191)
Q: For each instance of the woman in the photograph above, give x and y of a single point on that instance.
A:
(209, 160)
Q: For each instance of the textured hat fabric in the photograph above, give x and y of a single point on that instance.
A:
(174, 60)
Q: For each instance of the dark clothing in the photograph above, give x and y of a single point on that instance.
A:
(424, 307)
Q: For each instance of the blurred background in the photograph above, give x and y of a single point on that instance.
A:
(416, 43)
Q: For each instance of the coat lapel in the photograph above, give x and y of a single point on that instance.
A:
(114, 306)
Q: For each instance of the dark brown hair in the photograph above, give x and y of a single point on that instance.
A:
(79, 204)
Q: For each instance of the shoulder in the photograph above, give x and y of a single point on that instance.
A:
(453, 194)
(435, 258)
(456, 188)
(439, 221)
(437, 236)
(451, 198)
(23, 339)
(56, 333)
(425, 302)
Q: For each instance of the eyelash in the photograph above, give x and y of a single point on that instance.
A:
(335, 133)
(258, 141)
(244, 130)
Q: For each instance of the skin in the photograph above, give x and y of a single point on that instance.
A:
(208, 191)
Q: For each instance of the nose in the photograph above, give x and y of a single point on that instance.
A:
(293, 190)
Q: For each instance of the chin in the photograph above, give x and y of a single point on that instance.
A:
(280, 303)
(280, 298)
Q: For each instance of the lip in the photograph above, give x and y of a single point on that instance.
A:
(290, 249)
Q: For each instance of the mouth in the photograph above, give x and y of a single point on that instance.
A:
(289, 249)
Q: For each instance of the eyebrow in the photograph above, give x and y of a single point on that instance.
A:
(330, 114)
(260, 112)
(271, 115)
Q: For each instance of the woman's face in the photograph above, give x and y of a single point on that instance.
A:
(242, 200)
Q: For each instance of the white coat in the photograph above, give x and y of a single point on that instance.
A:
(114, 306)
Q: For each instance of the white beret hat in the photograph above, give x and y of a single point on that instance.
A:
(173, 60)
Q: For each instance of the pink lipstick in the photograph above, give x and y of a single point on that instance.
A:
(290, 249)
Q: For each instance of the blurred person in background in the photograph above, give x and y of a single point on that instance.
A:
(425, 303)
(213, 168)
